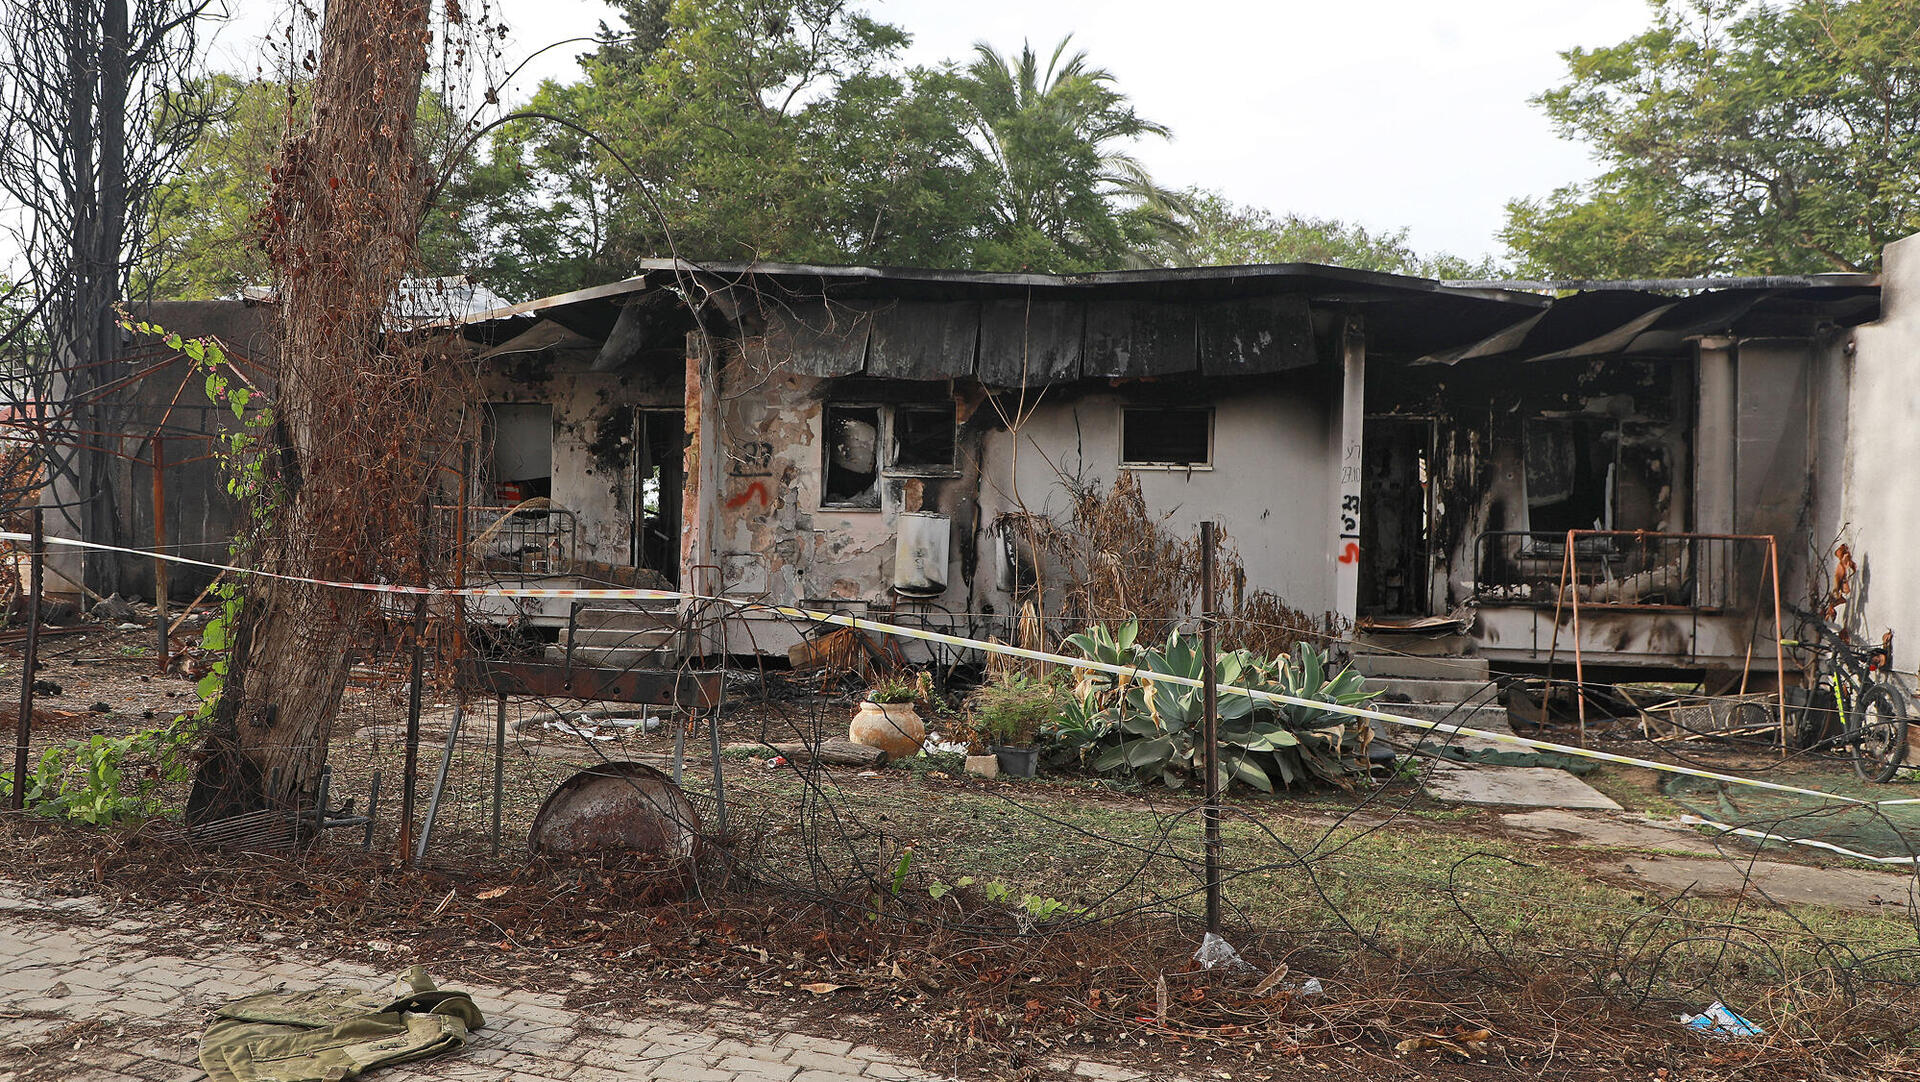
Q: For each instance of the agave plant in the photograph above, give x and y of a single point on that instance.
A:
(1151, 727)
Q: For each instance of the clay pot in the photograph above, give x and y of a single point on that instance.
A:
(894, 728)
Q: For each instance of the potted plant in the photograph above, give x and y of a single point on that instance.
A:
(1010, 709)
(888, 720)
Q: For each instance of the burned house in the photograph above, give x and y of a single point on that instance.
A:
(1388, 454)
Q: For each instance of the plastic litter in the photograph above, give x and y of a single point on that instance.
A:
(1217, 953)
(586, 731)
(1718, 1021)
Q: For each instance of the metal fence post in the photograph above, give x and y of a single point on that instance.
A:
(23, 729)
(1210, 698)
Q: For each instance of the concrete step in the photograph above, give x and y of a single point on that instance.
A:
(652, 638)
(638, 616)
(604, 657)
(1418, 667)
(1432, 690)
(1479, 714)
(1485, 717)
(1397, 642)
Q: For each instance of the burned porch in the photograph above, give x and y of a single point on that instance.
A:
(1675, 427)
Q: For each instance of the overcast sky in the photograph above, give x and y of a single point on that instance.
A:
(1383, 112)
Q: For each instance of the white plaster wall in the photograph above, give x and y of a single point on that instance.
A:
(1880, 508)
(1271, 486)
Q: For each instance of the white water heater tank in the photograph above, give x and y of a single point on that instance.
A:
(920, 553)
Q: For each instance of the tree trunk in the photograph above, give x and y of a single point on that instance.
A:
(343, 227)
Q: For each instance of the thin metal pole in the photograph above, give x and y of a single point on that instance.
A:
(23, 729)
(160, 546)
(499, 767)
(1210, 699)
(460, 553)
(1553, 648)
(440, 782)
(719, 775)
(410, 771)
(373, 811)
(1579, 662)
(679, 749)
(1779, 632)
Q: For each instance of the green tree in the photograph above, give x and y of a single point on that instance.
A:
(1224, 233)
(1738, 137)
(743, 129)
(203, 240)
(204, 234)
(1054, 144)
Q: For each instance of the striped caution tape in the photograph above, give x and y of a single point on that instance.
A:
(925, 635)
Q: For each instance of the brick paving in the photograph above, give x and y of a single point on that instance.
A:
(83, 1001)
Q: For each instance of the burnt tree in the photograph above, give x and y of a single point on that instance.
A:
(98, 103)
(352, 406)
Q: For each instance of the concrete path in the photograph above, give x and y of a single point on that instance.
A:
(1486, 783)
(1677, 857)
(81, 1000)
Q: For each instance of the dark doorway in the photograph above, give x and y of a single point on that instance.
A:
(1396, 516)
(659, 448)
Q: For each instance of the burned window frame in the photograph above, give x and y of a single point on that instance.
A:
(488, 487)
(1147, 464)
(887, 450)
(896, 445)
(868, 498)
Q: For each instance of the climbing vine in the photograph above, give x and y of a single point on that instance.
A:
(104, 779)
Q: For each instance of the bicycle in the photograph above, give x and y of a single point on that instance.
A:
(1873, 718)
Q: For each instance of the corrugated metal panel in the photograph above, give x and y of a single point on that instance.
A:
(1250, 337)
(814, 337)
(1030, 342)
(924, 340)
(1138, 339)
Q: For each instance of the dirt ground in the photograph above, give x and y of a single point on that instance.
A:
(1423, 923)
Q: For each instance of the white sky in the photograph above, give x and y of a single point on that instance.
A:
(1383, 112)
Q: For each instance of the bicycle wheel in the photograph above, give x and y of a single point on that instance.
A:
(1877, 733)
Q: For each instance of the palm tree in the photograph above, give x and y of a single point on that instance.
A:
(1067, 194)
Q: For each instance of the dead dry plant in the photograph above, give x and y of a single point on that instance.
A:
(1113, 559)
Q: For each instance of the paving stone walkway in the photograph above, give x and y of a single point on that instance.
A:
(86, 1001)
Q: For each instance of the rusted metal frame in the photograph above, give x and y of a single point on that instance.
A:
(1210, 733)
(1773, 570)
(1553, 649)
(690, 690)
(1579, 664)
(159, 547)
(23, 727)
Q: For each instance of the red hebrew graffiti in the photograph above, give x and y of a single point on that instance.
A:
(758, 488)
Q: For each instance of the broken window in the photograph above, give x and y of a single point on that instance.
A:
(852, 472)
(522, 435)
(923, 437)
(1572, 463)
(1166, 437)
